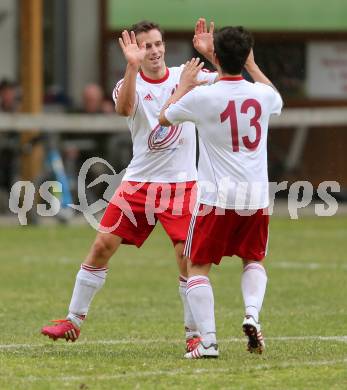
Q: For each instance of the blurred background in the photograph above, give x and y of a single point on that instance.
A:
(61, 58)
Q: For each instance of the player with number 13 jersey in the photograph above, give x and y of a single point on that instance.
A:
(232, 118)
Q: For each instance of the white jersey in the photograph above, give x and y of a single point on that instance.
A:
(232, 118)
(160, 154)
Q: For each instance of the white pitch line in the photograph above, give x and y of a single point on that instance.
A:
(312, 266)
(189, 371)
(166, 341)
(303, 265)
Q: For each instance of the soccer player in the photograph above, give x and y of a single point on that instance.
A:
(230, 217)
(158, 182)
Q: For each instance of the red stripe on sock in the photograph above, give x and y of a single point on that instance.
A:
(194, 280)
(197, 282)
(254, 266)
(93, 269)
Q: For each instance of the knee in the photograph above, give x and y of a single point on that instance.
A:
(179, 250)
(102, 248)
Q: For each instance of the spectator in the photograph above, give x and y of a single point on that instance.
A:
(92, 98)
(9, 103)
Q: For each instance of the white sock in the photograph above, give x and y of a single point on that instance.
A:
(253, 285)
(189, 323)
(89, 281)
(201, 302)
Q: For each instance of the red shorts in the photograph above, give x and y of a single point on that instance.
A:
(136, 207)
(213, 236)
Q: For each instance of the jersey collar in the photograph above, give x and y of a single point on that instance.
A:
(157, 81)
(231, 78)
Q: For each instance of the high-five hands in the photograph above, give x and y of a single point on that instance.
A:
(188, 79)
(133, 53)
(203, 38)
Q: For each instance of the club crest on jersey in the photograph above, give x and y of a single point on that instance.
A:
(162, 137)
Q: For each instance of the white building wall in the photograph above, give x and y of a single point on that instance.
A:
(8, 39)
(83, 47)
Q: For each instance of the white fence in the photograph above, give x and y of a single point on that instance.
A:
(298, 117)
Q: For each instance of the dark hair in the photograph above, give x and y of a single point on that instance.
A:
(145, 26)
(232, 46)
(5, 83)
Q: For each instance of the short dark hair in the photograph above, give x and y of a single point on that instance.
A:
(5, 83)
(232, 46)
(145, 26)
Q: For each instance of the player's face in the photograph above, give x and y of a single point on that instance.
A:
(155, 50)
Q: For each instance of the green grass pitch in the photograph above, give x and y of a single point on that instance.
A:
(133, 337)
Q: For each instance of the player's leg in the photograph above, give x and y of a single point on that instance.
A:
(89, 280)
(117, 226)
(253, 286)
(191, 331)
(92, 275)
(207, 242)
(201, 302)
(253, 233)
(175, 220)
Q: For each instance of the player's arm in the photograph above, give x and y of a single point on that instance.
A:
(188, 81)
(203, 39)
(134, 55)
(255, 72)
(258, 76)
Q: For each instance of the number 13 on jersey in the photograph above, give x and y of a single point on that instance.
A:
(230, 112)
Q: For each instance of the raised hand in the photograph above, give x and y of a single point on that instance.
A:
(188, 79)
(203, 38)
(133, 53)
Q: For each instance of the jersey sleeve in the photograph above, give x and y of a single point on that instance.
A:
(183, 110)
(206, 75)
(274, 98)
(116, 91)
(277, 102)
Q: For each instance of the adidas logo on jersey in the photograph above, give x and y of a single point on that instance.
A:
(148, 97)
